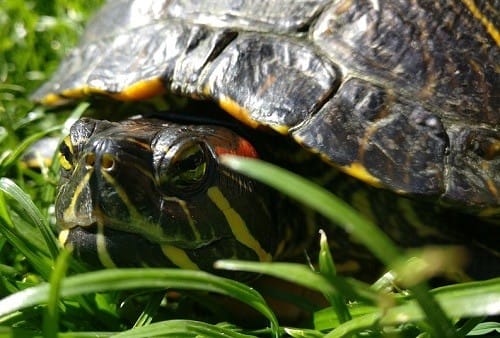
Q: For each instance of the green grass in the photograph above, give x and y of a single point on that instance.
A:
(46, 294)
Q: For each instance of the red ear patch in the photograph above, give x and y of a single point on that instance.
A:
(242, 148)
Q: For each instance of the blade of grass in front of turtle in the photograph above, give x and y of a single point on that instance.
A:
(302, 275)
(303, 333)
(51, 313)
(151, 308)
(15, 332)
(180, 328)
(474, 299)
(340, 213)
(32, 214)
(334, 288)
(485, 328)
(34, 250)
(327, 269)
(326, 319)
(321, 200)
(124, 279)
(470, 325)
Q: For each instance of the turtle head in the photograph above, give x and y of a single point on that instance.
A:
(145, 192)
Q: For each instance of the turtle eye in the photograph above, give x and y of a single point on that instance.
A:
(187, 170)
(488, 149)
(483, 145)
(66, 154)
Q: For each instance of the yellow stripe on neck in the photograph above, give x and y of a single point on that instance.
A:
(179, 257)
(102, 250)
(237, 224)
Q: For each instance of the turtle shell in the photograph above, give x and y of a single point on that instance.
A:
(400, 94)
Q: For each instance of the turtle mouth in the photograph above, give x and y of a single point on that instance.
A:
(84, 230)
(99, 246)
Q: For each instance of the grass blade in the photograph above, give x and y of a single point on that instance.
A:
(180, 328)
(122, 279)
(473, 299)
(321, 200)
(51, 316)
(33, 215)
(339, 212)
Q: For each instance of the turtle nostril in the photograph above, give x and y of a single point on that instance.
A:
(90, 160)
(107, 162)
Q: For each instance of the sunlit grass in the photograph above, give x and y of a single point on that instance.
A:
(45, 293)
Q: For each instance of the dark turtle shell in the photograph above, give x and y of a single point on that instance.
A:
(401, 94)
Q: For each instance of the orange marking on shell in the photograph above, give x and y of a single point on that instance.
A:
(237, 111)
(52, 100)
(141, 90)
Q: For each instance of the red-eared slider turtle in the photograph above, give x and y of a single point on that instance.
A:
(401, 95)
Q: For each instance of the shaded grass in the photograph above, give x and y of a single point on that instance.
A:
(39, 300)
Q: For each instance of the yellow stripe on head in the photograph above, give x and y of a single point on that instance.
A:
(488, 25)
(184, 207)
(237, 224)
(69, 212)
(63, 237)
(102, 250)
(65, 164)
(149, 230)
(179, 257)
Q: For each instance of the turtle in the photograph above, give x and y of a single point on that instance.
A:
(392, 104)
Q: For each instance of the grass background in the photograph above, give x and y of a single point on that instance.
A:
(38, 300)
